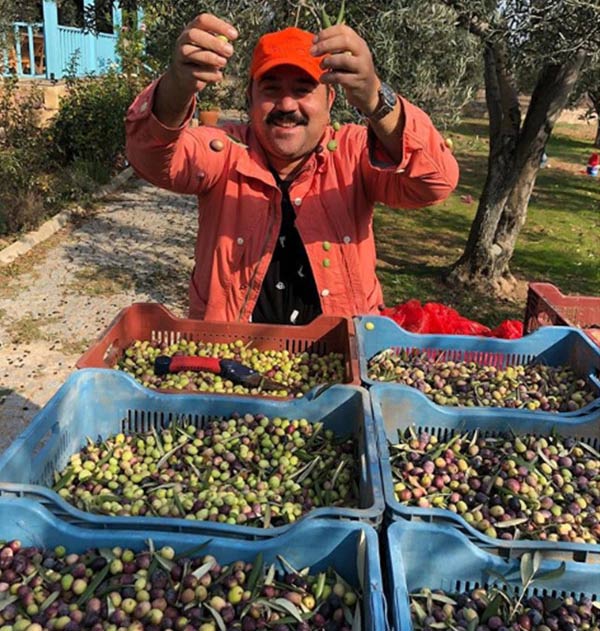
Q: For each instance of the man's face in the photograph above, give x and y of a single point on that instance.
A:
(289, 111)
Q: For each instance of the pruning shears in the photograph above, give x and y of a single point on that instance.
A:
(227, 368)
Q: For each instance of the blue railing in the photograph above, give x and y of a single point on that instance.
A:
(23, 50)
(47, 50)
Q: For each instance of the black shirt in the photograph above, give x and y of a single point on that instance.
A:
(289, 293)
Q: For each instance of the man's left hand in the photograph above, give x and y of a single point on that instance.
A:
(349, 63)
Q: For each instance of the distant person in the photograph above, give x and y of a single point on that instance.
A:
(593, 165)
(285, 227)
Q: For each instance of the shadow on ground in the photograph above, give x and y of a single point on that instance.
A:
(16, 412)
(149, 252)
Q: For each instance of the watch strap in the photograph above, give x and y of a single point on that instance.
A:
(387, 100)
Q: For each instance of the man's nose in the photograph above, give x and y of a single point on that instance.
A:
(287, 103)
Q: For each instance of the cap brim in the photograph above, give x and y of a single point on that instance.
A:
(314, 71)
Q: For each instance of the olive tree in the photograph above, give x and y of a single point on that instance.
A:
(415, 45)
(555, 40)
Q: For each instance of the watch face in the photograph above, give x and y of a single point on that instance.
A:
(388, 95)
(387, 101)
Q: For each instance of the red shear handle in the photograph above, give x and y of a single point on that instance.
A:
(184, 362)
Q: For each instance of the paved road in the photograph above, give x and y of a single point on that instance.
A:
(136, 247)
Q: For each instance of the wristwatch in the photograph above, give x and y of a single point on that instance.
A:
(387, 101)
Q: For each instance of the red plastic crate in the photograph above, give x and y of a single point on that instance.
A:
(153, 322)
(546, 305)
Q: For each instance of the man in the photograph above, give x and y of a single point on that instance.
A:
(286, 202)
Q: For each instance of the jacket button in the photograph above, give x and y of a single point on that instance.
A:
(347, 239)
(325, 293)
(298, 201)
(326, 262)
(240, 241)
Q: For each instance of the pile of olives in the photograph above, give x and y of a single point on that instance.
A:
(527, 487)
(467, 384)
(296, 372)
(485, 609)
(121, 590)
(249, 470)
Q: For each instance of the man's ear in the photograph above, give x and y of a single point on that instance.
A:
(330, 96)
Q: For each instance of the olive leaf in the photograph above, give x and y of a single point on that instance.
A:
(360, 558)
(356, 621)
(418, 609)
(257, 569)
(267, 516)
(165, 563)
(552, 604)
(201, 571)
(526, 568)
(286, 607)
(589, 448)
(287, 565)
(337, 472)
(5, 602)
(441, 598)
(537, 561)
(320, 585)
(270, 575)
(179, 505)
(472, 626)
(192, 552)
(551, 574)
(497, 576)
(93, 585)
(492, 609)
(217, 616)
(509, 523)
(51, 598)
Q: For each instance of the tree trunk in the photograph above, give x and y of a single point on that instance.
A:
(515, 153)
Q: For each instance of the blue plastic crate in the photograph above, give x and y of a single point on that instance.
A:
(426, 555)
(97, 403)
(399, 409)
(553, 346)
(317, 544)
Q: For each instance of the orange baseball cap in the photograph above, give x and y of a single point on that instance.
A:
(287, 47)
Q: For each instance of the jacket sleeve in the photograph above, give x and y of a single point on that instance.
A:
(179, 159)
(427, 174)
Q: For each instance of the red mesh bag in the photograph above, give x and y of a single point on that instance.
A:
(434, 317)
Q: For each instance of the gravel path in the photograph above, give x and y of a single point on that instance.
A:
(137, 246)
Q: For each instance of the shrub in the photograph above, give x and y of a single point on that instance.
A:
(90, 124)
(23, 156)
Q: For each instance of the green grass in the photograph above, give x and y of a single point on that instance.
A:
(560, 242)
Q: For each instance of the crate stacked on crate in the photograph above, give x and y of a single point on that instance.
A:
(114, 459)
(553, 370)
(499, 481)
(186, 445)
(480, 465)
(547, 305)
(60, 576)
(439, 579)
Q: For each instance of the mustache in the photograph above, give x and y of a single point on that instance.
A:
(287, 117)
